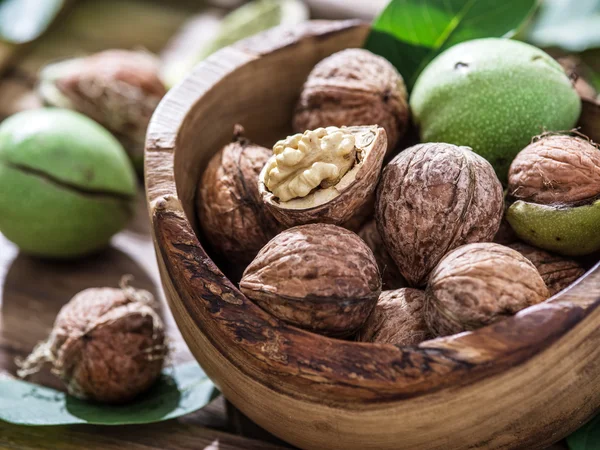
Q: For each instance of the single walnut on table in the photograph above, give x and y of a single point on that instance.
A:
(230, 211)
(318, 277)
(354, 87)
(433, 198)
(325, 175)
(398, 318)
(478, 284)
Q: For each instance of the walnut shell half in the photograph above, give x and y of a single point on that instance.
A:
(433, 198)
(478, 284)
(333, 203)
(354, 87)
(319, 277)
(556, 271)
(398, 318)
(556, 170)
(230, 210)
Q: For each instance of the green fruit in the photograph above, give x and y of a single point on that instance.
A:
(571, 231)
(493, 95)
(66, 184)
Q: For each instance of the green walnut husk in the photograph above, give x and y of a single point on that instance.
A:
(66, 184)
(571, 231)
(493, 95)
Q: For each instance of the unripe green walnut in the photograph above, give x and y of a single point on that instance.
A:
(66, 184)
(493, 95)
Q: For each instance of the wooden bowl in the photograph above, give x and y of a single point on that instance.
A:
(524, 382)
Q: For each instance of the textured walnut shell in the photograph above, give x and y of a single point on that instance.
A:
(336, 204)
(433, 198)
(556, 271)
(398, 318)
(230, 211)
(354, 87)
(478, 284)
(120, 89)
(319, 277)
(577, 72)
(390, 275)
(107, 345)
(556, 170)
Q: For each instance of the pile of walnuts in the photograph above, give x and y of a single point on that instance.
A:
(333, 241)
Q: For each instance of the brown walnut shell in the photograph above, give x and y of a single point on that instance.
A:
(478, 284)
(230, 210)
(318, 277)
(107, 345)
(556, 271)
(119, 89)
(390, 275)
(398, 318)
(339, 203)
(433, 198)
(354, 87)
(556, 170)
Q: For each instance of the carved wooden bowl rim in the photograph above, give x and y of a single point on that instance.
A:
(313, 367)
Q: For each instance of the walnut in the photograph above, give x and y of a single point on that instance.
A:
(354, 87)
(556, 169)
(390, 275)
(119, 89)
(230, 210)
(433, 198)
(478, 284)
(505, 235)
(107, 345)
(319, 277)
(556, 271)
(325, 175)
(398, 318)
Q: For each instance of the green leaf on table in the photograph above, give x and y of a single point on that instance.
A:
(23, 21)
(410, 33)
(587, 437)
(571, 25)
(181, 390)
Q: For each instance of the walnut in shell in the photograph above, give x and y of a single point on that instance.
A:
(556, 170)
(478, 284)
(107, 345)
(119, 89)
(390, 275)
(555, 185)
(319, 277)
(556, 271)
(325, 175)
(398, 318)
(433, 198)
(231, 213)
(354, 87)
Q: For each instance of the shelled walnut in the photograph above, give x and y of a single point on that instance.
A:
(325, 175)
(319, 277)
(354, 87)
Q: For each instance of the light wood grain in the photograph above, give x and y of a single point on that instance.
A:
(525, 382)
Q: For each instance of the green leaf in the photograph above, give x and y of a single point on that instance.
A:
(410, 33)
(587, 437)
(182, 389)
(571, 25)
(23, 21)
